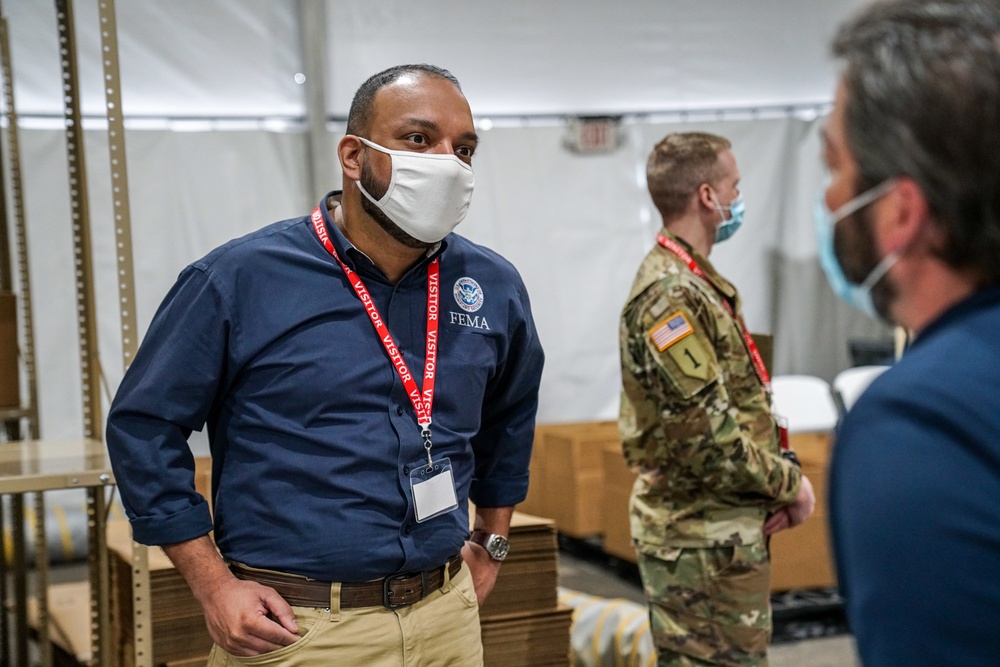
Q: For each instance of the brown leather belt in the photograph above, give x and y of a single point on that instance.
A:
(393, 592)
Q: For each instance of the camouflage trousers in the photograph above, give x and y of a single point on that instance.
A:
(709, 606)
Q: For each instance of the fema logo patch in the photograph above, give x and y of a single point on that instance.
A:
(468, 294)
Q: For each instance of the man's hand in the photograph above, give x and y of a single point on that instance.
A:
(484, 569)
(239, 618)
(794, 514)
(243, 617)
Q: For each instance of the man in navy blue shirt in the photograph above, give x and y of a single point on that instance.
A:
(913, 148)
(364, 373)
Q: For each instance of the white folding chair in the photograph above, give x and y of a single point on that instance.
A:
(805, 401)
(850, 383)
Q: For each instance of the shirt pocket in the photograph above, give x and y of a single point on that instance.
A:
(467, 361)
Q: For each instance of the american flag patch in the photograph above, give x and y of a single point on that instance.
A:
(670, 330)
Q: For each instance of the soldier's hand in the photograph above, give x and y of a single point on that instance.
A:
(805, 503)
(794, 514)
(777, 522)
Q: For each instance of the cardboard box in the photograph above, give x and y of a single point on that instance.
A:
(177, 623)
(69, 623)
(10, 394)
(533, 639)
(618, 481)
(567, 475)
(802, 556)
(529, 577)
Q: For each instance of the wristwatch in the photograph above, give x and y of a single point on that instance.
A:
(789, 455)
(496, 546)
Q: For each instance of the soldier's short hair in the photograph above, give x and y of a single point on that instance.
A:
(678, 165)
(922, 83)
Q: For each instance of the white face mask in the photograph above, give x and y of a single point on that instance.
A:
(428, 194)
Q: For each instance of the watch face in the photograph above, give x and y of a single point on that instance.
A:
(498, 547)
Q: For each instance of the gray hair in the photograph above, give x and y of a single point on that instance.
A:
(923, 100)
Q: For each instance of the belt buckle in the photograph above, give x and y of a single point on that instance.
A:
(387, 593)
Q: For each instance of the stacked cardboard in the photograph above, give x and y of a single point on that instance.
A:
(531, 639)
(618, 481)
(801, 557)
(69, 627)
(521, 621)
(567, 475)
(178, 626)
(529, 576)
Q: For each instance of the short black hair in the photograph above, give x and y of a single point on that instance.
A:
(923, 101)
(359, 117)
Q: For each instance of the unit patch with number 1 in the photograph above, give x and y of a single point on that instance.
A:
(673, 335)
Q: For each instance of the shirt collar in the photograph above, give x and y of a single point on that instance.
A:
(347, 250)
(979, 300)
(713, 276)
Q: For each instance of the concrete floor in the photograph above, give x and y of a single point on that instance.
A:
(587, 571)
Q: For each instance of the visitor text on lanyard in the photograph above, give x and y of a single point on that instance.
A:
(422, 400)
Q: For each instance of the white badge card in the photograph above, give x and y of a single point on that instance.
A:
(433, 489)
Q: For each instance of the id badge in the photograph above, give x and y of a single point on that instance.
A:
(433, 489)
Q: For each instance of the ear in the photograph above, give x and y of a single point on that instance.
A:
(349, 151)
(905, 216)
(704, 195)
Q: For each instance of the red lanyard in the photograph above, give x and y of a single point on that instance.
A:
(422, 401)
(758, 361)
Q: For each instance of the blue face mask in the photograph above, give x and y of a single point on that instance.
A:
(729, 227)
(857, 295)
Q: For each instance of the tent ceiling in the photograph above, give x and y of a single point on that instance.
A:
(239, 58)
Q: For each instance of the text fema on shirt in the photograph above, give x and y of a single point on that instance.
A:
(471, 321)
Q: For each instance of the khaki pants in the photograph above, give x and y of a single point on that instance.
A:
(440, 630)
(709, 606)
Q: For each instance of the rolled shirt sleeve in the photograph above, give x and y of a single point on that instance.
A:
(166, 394)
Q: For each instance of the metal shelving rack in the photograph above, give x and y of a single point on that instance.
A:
(32, 465)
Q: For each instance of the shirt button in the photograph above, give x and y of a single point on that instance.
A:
(399, 410)
(406, 470)
(407, 529)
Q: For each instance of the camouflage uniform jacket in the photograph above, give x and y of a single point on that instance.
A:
(696, 422)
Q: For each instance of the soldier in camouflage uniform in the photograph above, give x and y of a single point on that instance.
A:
(697, 426)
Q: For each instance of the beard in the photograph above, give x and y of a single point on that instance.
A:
(855, 248)
(377, 190)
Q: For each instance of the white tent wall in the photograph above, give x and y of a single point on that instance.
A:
(575, 225)
(189, 191)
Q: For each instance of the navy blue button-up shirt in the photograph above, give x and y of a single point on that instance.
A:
(312, 434)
